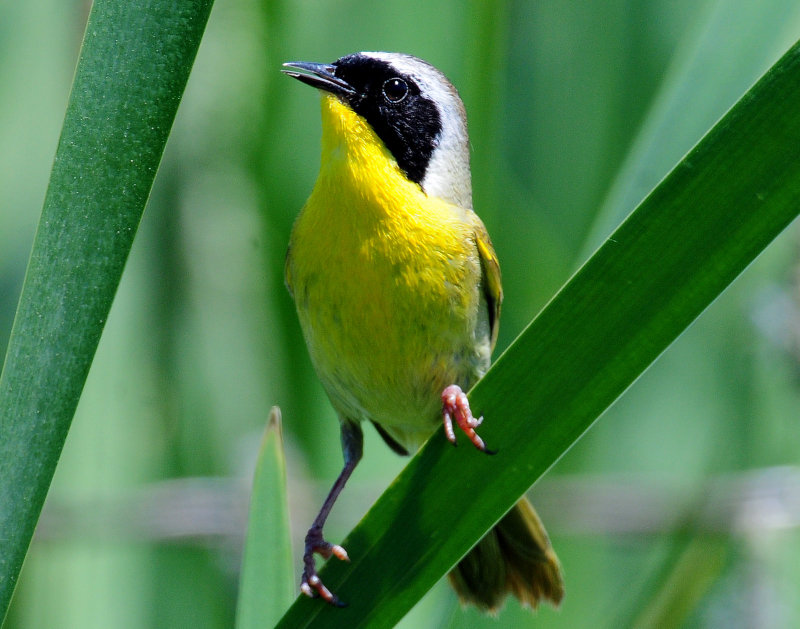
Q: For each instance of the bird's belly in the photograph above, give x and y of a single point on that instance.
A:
(386, 337)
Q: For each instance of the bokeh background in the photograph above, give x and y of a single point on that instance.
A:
(680, 507)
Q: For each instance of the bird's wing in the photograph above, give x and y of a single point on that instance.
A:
(490, 280)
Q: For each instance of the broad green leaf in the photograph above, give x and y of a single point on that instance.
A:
(687, 241)
(134, 64)
(267, 580)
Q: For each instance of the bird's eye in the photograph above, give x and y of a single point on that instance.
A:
(395, 90)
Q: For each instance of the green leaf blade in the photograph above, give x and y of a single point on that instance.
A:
(703, 80)
(707, 221)
(134, 64)
(267, 580)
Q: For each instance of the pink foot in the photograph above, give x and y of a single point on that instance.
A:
(312, 585)
(456, 405)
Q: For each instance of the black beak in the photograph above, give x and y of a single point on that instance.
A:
(319, 75)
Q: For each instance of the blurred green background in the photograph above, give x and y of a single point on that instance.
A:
(681, 507)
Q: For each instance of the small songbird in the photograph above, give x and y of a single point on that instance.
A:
(397, 288)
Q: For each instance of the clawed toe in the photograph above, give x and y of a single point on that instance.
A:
(311, 585)
(455, 405)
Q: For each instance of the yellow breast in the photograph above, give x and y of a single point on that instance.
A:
(387, 283)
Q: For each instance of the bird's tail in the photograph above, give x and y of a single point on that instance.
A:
(515, 557)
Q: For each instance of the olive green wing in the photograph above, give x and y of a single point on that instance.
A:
(490, 279)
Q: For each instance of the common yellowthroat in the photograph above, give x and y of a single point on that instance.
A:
(397, 288)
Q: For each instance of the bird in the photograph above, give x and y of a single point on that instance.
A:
(398, 291)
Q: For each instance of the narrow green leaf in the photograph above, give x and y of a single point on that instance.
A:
(133, 67)
(692, 236)
(267, 580)
(685, 582)
(702, 79)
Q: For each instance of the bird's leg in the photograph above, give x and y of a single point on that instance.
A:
(455, 405)
(311, 585)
